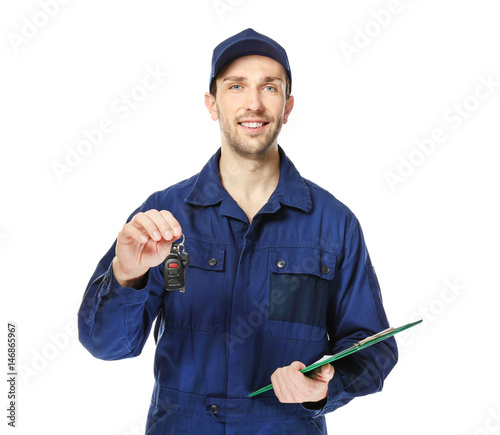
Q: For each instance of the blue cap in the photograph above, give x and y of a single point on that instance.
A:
(243, 44)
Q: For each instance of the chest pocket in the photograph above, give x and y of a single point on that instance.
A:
(198, 308)
(300, 280)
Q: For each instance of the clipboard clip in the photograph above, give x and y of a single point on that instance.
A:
(372, 337)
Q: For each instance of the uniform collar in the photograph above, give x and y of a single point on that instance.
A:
(291, 189)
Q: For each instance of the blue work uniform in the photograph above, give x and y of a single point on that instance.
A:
(295, 284)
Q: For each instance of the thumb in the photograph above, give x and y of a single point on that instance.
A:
(298, 365)
(163, 247)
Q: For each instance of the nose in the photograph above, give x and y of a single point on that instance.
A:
(253, 101)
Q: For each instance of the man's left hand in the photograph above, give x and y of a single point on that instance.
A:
(292, 386)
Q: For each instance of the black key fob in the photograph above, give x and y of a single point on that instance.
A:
(174, 268)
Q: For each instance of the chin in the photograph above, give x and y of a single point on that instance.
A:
(253, 152)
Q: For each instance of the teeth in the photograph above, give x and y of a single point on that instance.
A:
(252, 124)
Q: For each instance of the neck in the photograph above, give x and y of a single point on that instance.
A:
(250, 182)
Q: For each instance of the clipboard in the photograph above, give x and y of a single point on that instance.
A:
(369, 341)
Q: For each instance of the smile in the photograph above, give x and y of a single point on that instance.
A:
(253, 124)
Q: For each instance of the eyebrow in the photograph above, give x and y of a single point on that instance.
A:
(243, 79)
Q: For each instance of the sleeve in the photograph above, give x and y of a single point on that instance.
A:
(355, 312)
(114, 322)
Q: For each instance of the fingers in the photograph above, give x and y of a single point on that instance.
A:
(322, 373)
(325, 374)
(129, 230)
(292, 386)
(167, 226)
(288, 382)
(153, 224)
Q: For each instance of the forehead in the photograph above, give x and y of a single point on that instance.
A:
(253, 65)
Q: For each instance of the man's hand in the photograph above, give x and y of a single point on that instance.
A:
(143, 243)
(293, 386)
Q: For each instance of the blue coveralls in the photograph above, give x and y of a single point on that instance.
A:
(295, 284)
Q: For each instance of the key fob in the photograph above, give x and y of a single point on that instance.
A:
(174, 269)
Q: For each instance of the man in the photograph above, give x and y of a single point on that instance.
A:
(279, 275)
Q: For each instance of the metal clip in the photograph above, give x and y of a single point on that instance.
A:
(373, 337)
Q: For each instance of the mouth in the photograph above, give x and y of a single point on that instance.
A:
(253, 126)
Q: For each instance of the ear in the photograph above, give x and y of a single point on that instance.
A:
(211, 105)
(288, 108)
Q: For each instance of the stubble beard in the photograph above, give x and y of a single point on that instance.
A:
(243, 148)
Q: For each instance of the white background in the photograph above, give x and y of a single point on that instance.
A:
(355, 117)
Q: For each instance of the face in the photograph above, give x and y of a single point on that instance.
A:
(250, 105)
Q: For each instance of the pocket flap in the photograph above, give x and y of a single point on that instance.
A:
(205, 255)
(303, 260)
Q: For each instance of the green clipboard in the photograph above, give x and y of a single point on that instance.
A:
(369, 341)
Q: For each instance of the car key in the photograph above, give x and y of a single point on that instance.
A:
(174, 267)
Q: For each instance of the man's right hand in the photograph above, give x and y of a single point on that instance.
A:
(144, 242)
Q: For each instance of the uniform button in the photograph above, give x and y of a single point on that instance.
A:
(106, 280)
(212, 262)
(214, 409)
(325, 269)
(281, 264)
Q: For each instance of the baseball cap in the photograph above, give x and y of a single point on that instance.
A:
(243, 44)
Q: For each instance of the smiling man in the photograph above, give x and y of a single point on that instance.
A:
(279, 275)
(249, 98)
(244, 83)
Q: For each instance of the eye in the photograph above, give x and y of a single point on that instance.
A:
(235, 87)
(270, 88)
